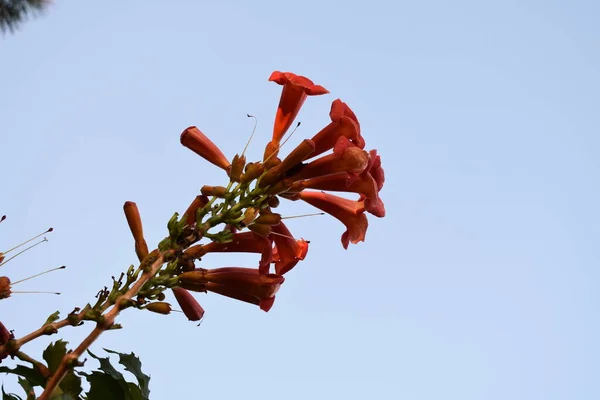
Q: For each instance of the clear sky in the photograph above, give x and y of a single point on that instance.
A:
(480, 283)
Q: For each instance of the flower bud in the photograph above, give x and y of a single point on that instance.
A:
(249, 215)
(4, 287)
(190, 214)
(159, 307)
(260, 229)
(271, 150)
(268, 219)
(216, 191)
(273, 202)
(253, 171)
(237, 167)
(189, 305)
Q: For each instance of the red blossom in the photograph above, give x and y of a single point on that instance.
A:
(343, 123)
(245, 242)
(349, 212)
(288, 251)
(195, 140)
(368, 184)
(189, 305)
(244, 284)
(295, 90)
(345, 158)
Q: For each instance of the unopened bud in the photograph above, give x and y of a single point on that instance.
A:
(189, 305)
(268, 219)
(237, 167)
(135, 225)
(159, 307)
(4, 287)
(253, 171)
(273, 202)
(271, 150)
(161, 296)
(249, 215)
(279, 187)
(190, 214)
(260, 229)
(216, 191)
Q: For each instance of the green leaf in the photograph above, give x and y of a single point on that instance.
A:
(28, 388)
(54, 354)
(71, 385)
(32, 375)
(103, 387)
(8, 396)
(133, 364)
(52, 318)
(135, 392)
(107, 368)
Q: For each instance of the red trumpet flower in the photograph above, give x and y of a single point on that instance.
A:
(343, 123)
(295, 90)
(349, 212)
(368, 184)
(288, 251)
(246, 242)
(244, 284)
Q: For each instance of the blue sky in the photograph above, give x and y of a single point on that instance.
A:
(480, 283)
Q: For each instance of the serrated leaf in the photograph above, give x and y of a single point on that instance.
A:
(28, 388)
(134, 365)
(9, 396)
(54, 354)
(103, 386)
(52, 318)
(32, 375)
(107, 368)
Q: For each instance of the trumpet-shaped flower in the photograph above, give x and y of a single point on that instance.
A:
(349, 212)
(295, 90)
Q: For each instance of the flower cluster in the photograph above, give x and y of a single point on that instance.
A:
(333, 160)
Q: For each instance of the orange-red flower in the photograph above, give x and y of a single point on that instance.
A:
(368, 184)
(343, 123)
(244, 284)
(195, 140)
(295, 90)
(288, 251)
(349, 212)
(246, 242)
(345, 158)
(189, 305)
